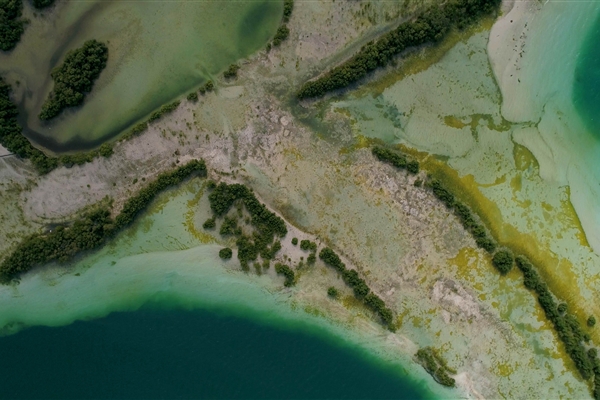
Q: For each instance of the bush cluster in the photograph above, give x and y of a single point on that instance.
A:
(89, 232)
(288, 7)
(225, 253)
(209, 86)
(282, 33)
(435, 366)
(267, 225)
(358, 285)
(430, 26)
(397, 160)
(503, 261)
(307, 245)
(332, 292)
(568, 329)
(165, 109)
(231, 72)
(287, 272)
(75, 78)
(12, 25)
(209, 224)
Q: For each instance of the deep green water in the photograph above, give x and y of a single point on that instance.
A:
(190, 354)
(586, 87)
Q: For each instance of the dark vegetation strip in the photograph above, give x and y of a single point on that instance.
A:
(259, 237)
(436, 366)
(566, 325)
(75, 78)
(361, 291)
(283, 32)
(91, 231)
(430, 26)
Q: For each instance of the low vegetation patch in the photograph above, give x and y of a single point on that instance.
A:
(75, 78)
(436, 366)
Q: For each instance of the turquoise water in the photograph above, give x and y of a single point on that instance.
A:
(154, 353)
(586, 86)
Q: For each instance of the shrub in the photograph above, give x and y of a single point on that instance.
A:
(591, 321)
(503, 261)
(311, 259)
(287, 272)
(288, 7)
(295, 241)
(282, 34)
(307, 245)
(225, 253)
(75, 78)
(193, 96)
(209, 224)
(413, 167)
(231, 72)
(332, 292)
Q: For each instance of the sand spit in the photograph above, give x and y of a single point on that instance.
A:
(412, 252)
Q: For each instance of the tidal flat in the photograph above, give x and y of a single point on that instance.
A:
(448, 107)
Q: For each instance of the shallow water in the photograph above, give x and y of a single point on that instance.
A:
(154, 353)
(157, 52)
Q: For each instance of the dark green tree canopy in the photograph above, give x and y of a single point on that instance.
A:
(75, 78)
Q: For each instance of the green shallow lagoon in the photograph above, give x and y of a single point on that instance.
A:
(157, 52)
(153, 353)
